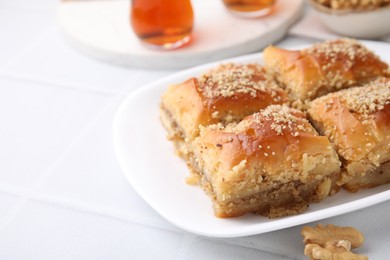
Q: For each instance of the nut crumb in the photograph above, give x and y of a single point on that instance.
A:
(230, 79)
(193, 179)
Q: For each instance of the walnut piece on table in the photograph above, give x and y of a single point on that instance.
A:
(332, 242)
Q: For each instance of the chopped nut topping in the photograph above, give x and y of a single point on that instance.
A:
(362, 100)
(354, 4)
(215, 114)
(282, 117)
(331, 53)
(230, 79)
(332, 49)
(332, 242)
(370, 99)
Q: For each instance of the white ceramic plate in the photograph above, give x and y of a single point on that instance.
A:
(148, 161)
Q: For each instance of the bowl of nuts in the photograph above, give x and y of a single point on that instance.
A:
(368, 19)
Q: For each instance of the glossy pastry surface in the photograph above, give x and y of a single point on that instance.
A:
(225, 94)
(323, 68)
(273, 158)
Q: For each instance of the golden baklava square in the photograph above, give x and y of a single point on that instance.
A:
(357, 122)
(273, 163)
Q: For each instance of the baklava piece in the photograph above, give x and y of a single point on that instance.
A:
(323, 68)
(357, 122)
(225, 94)
(273, 163)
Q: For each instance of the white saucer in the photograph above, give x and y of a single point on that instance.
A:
(101, 29)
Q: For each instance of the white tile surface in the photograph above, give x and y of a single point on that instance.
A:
(200, 247)
(19, 30)
(39, 231)
(34, 6)
(7, 201)
(286, 242)
(90, 175)
(37, 123)
(53, 60)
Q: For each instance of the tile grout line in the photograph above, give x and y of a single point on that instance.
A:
(85, 208)
(82, 207)
(14, 76)
(13, 191)
(29, 9)
(107, 213)
(187, 242)
(42, 178)
(4, 72)
(265, 250)
(138, 220)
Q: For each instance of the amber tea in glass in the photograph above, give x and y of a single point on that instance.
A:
(250, 8)
(163, 23)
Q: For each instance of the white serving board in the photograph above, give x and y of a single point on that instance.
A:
(101, 29)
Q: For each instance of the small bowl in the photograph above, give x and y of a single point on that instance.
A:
(368, 24)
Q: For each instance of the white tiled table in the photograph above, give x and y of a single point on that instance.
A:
(62, 194)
